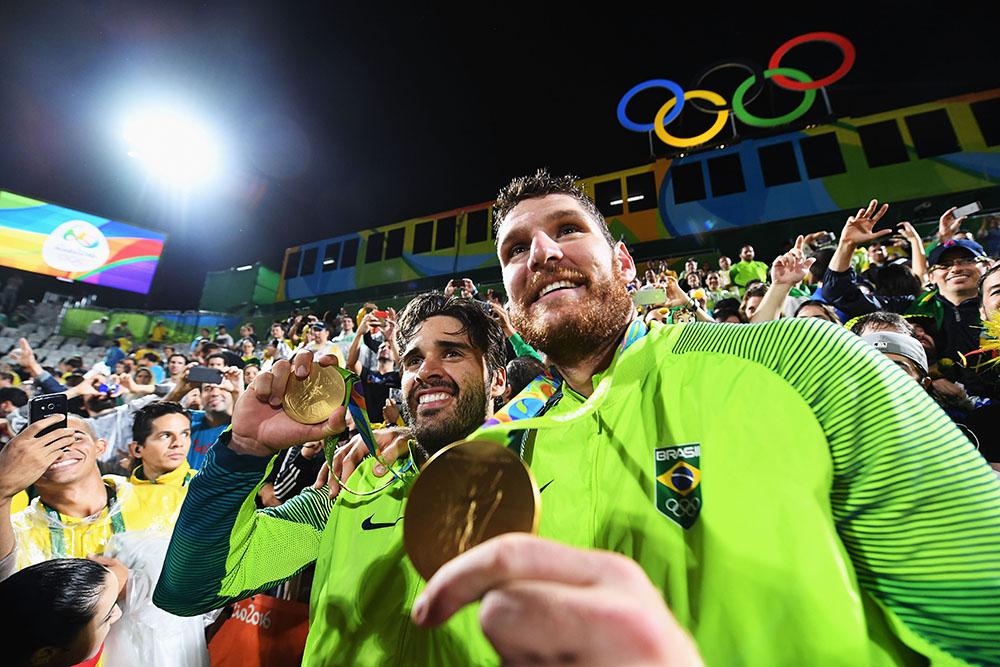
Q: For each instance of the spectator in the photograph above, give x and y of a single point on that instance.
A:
(346, 335)
(158, 334)
(96, 331)
(294, 470)
(217, 402)
(247, 333)
(876, 260)
(246, 348)
(818, 309)
(202, 337)
(881, 321)
(161, 439)
(151, 362)
(988, 235)
(222, 338)
(725, 267)
(279, 347)
(322, 345)
(122, 331)
(690, 268)
(379, 383)
(176, 365)
(250, 370)
(752, 299)
(747, 269)
(64, 610)
(11, 398)
(361, 353)
(114, 355)
(520, 372)
(714, 291)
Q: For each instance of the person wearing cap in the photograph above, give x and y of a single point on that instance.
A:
(954, 267)
(322, 344)
(904, 351)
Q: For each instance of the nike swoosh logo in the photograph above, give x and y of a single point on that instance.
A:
(368, 524)
(546, 485)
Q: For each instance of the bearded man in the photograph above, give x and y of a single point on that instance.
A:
(811, 525)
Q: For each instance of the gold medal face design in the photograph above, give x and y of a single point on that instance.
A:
(313, 399)
(465, 494)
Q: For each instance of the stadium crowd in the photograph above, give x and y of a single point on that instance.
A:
(90, 512)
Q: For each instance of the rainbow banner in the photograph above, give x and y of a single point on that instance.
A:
(55, 241)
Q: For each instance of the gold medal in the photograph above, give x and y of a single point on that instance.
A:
(313, 399)
(465, 494)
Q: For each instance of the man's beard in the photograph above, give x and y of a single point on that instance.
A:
(586, 327)
(432, 434)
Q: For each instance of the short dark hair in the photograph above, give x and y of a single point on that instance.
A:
(16, 396)
(54, 600)
(217, 355)
(542, 184)
(521, 371)
(142, 425)
(823, 258)
(898, 280)
(822, 305)
(483, 331)
(151, 356)
(177, 354)
(882, 320)
(75, 363)
(4, 375)
(989, 272)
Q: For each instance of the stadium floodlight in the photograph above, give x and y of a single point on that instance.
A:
(173, 147)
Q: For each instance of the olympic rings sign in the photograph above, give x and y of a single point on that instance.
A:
(783, 77)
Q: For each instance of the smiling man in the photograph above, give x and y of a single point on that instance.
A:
(77, 511)
(224, 549)
(818, 532)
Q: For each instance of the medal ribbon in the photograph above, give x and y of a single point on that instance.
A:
(57, 535)
(522, 411)
(358, 407)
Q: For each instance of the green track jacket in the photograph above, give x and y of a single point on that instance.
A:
(833, 516)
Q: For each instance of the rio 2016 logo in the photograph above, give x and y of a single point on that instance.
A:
(83, 237)
(783, 77)
(75, 246)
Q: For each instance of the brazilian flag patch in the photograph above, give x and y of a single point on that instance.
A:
(678, 483)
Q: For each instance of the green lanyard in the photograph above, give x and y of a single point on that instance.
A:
(56, 530)
(523, 412)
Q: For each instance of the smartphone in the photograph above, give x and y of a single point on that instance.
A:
(649, 297)
(46, 406)
(968, 209)
(205, 375)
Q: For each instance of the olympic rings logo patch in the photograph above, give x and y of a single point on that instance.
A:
(783, 77)
(683, 507)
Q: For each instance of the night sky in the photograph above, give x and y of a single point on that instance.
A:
(339, 118)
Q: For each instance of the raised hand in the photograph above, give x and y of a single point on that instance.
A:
(792, 267)
(675, 295)
(260, 425)
(909, 233)
(948, 225)
(500, 313)
(28, 455)
(859, 227)
(548, 603)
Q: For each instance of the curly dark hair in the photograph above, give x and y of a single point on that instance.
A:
(541, 184)
(483, 331)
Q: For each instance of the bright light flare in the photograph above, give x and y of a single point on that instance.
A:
(173, 147)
